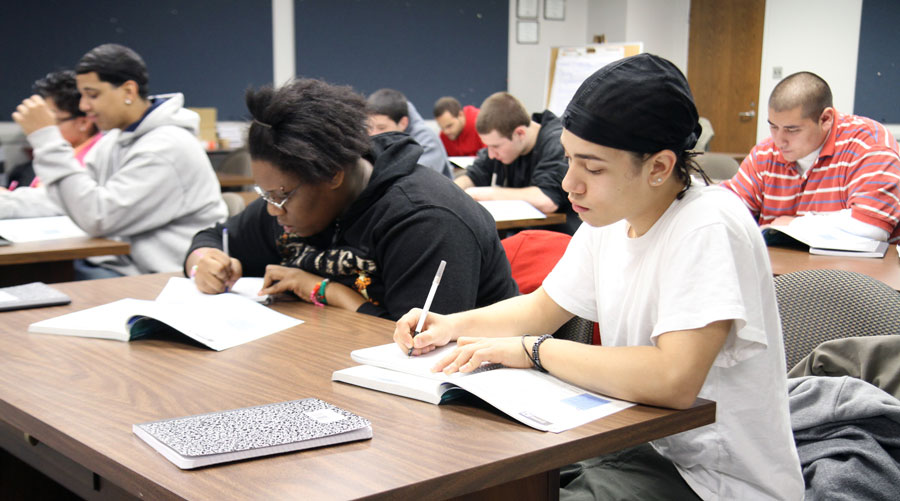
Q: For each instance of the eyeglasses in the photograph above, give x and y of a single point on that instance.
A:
(276, 200)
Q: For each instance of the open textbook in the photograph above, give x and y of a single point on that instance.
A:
(534, 398)
(34, 229)
(823, 239)
(511, 210)
(219, 321)
(218, 437)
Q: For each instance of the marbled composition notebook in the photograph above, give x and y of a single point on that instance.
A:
(218, 437)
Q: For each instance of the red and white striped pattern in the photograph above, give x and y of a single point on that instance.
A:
(858, 169)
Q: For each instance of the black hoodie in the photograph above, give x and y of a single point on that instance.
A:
(394, 236)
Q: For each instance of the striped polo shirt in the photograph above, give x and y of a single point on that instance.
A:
(858, 168)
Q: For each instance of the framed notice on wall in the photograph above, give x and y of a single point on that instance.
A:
(527, 9)
(555, 10)
(527, 31)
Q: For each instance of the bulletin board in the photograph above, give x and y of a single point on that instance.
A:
(569, 66)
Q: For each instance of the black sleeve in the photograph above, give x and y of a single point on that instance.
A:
(409, 253)
(481, 169)
(549, 171)
(251, 238)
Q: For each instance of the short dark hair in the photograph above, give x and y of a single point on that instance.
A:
(60, 87)
(308, 128)
(447, 104)
(115, 64)
(501, 112)
(388, 102)
(804, 89)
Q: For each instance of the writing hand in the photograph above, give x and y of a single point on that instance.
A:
(437, 331)
(216, 272)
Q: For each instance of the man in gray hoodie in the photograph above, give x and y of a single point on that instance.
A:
(389, 111)
(149, 182)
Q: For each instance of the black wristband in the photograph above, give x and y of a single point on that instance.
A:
(536, 354)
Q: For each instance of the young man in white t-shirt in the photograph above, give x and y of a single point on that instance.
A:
(679, 280)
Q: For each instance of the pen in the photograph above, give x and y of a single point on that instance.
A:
(434, 286)
(225, 250)
(225, 242)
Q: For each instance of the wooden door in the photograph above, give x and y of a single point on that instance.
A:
(724, 57)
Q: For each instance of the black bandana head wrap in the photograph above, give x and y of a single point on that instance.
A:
(641, 103)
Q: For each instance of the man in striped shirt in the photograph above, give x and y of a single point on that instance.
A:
(842, 170)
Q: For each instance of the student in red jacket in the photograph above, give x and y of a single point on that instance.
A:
(457, 125)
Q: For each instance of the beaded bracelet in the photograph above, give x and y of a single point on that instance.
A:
(536, 354)
(320, 295)
(317, 296)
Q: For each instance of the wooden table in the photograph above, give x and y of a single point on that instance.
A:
(887, 269)
(51, 260)
(233, 180)
(67, 405)
(551, 219)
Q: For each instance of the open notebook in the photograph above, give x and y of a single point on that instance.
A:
(823, 240)
(534, 398)
(218, 437)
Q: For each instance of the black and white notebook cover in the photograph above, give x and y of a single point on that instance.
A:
(30, 295)
(218, 437)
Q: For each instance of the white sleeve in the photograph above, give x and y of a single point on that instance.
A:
(137, 197)
(710, 275)
(571, 282)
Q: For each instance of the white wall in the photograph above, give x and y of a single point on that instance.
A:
(662, 26)
(529, 64)
(826, 43)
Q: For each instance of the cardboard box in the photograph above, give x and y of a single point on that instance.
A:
(207, 123)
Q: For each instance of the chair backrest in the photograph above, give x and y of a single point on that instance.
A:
(820, 305)
(706, 135)
(237, 162)
(532, 254)
(234, 202)
(718, 166)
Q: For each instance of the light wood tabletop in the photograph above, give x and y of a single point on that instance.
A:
(887, 269)
(68, 404)
(551, 219)
(227, 180)
(51, 260)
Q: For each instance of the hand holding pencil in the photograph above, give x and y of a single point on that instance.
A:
(405, 333)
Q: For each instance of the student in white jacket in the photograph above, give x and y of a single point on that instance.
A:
(148, 183)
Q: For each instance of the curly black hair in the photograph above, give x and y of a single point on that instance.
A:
(60, 87)
(308, 128)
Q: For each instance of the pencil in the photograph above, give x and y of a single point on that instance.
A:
(434, 286)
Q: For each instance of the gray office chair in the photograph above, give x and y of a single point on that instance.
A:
(236, 162)
(820, 305)
(718, 166)
(234, 202)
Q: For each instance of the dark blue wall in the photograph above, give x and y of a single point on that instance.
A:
(211, 50)
(878, 67)
(423, 48)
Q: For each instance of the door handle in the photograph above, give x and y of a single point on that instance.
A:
(746, 115)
